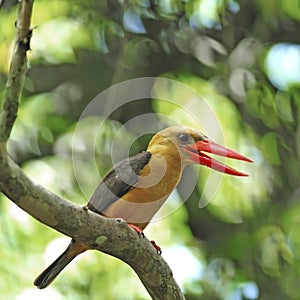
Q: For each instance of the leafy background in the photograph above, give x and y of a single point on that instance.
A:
(243, 57)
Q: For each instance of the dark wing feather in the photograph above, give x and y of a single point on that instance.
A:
(118, 181)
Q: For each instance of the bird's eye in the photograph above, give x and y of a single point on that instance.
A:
(183, 138)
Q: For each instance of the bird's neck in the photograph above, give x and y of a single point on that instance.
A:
(163, 171)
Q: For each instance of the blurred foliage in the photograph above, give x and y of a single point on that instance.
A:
(232, 70)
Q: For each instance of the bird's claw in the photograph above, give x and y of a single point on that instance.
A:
(158, 249)
(137, 229)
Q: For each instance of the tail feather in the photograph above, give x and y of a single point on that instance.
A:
(51, 272)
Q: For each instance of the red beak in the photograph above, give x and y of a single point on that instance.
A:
(206, 145)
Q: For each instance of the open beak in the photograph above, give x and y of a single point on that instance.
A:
(196, 153)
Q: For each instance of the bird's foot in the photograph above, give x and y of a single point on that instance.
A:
(137, 229)
(158, 249)
(141, 233)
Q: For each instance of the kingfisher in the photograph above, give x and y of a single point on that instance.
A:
(137, 187)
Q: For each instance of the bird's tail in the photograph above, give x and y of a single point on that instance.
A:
(51, 272)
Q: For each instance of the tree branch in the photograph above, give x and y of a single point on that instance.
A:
(17, 71)
(110, 236)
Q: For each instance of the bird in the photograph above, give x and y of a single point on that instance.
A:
(136, 188)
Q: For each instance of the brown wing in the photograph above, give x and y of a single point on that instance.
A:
(118, 182)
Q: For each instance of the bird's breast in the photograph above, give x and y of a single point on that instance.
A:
(157, 180)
